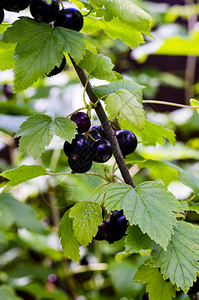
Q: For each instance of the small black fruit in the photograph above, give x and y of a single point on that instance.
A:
(15, 5)
(117, 226)
(43, 11)
(102, 231)
(56, 69)
(82, 121)
(70, 18)
(102, 151)
(127, 141)
(79, 166)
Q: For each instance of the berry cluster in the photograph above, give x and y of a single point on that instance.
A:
(86, 148)
(114, 228)
(69, 18)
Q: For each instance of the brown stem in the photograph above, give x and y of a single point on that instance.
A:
(106, 125)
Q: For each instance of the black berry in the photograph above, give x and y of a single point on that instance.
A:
(15, 5)
(79, 166)
(82, 121)
(117, 226)
(70, 18)
(102, 151)
(1, 14)
(145, 296)
(97, 132)
(102, 231)
(43, 11)
(127, 141)
(56, 69)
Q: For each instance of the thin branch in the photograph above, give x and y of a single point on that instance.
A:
(69, 173)
(93, 192)
(106, 125)
(170, 104)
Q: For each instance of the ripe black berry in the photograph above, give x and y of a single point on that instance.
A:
(97, 132)
(117, 226)
(102, 151)
(127, 141)
(1, 15)
(82, 121)
(79, 166)
(70, 18)
(102, 231)
(56, 69)
(15, 5)
(145, 296)
(79, 149)
(43, 11)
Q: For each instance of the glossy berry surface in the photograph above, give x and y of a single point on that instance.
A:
(127, 141)
(97, 132)
(117, 226)
(59, 69)
(82, 121)
(70, 18)
(15, 5)
(43, 11)
(102, 231)
(79, 149)
(79, 166)
(1, 14)
(102, 151)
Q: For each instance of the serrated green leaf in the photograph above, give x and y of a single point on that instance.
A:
(136, 240)
(13, 211)
(37, 132)
(179, 262)
(156, 286)
(7, 55)
(65, 128)
(115, 29)
(125, 104)
(143, 207)
(68, 241)
(39, 49)
(23, 173)
(87, 217)
(134, 88)
(127, 12)
(194, 207)
(194, 102)
(7, 293)
(98, 66)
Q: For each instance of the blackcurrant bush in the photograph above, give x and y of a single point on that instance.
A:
(127, 141)
(82, 121)
(56, 69)
(43, 11)
(1, 14)
(79, 166)
(102, 151)
(195, 288)
(79, 149)
(102, 231)
(15, 5)
(70, 18)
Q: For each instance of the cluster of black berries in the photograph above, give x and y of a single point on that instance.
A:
(91, 145)
(69, 18)
(114, 228)
(86, 148)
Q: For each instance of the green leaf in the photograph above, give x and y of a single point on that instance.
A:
(136, 240)
(37, 132)
(143, 206)
(23, 173)
(13, 211)
(87, 217)
(194, 102)
(134, 88)
(179, 262)
(156, 286)
(6, 54)
(68, 241)
(7, 293)
(39, 49)
(98, 66)
(3, 240)
(115, 29)
(188, 178)
(125, 104)
(127, 12)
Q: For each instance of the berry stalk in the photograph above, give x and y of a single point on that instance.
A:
(106, 125)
